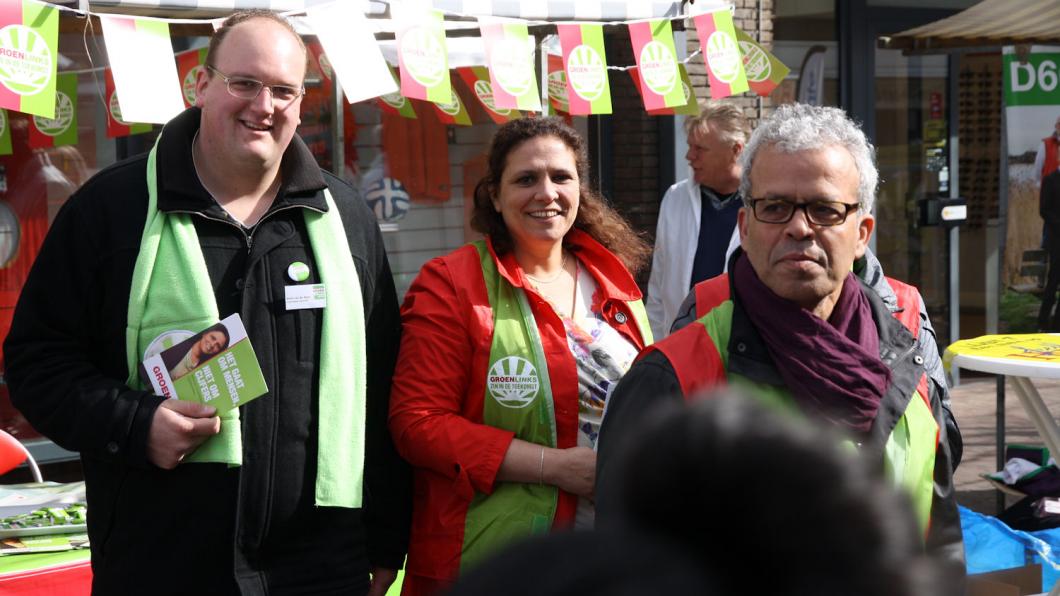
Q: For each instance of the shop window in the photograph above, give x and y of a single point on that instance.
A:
(804, 39)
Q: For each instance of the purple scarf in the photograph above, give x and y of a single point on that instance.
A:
(833, 367)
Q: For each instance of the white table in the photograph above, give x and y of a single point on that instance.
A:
(1021, 371)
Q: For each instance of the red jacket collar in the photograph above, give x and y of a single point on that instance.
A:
(612, 277)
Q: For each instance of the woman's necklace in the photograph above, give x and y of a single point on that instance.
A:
(562, 269)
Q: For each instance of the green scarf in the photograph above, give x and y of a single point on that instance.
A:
(171, 290)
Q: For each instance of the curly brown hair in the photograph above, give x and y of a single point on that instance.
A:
(595, 216)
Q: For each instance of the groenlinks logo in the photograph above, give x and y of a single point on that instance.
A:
(188, 86)
(513, 382)
(64, 117)
(587, 74)
(484, 91)
(723, 56)
(423, 56)
(658, 67)
(509, 65)
(453, 107)
(166, 340)
(395, 99)
(756, 64)
(688, 92)
(25, 60)
(115, 109)
(557, 89)
(325, 65)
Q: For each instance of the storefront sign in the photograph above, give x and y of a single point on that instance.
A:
(585, 62)
(660, 81)
(61, 130)
(1034, 82)
(510, 55)
(721, 53)
(1032, 105)
(28, 57)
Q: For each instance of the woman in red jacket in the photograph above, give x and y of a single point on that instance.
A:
(509, 351)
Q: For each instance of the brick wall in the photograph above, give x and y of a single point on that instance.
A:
(635, 134)
(745, 16)
(635, 141)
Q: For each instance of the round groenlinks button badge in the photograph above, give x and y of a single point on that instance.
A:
(298, 271)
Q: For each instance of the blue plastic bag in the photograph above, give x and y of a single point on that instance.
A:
(990, 545)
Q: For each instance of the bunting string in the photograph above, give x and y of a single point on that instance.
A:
(140, 59)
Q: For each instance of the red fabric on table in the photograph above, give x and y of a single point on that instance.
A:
(66, 579)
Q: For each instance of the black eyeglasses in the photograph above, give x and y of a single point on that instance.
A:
(247, 88)
(820, 213)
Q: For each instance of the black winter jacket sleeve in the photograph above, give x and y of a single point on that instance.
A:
(62, 369)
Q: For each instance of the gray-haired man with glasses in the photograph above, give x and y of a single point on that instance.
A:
(794, 326)
(302, 491)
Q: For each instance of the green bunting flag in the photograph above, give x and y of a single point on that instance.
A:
(422, 55)
(557, 85)
(477, 79)
(29, 36)
(660, 81)
(511, 65)
(189, 64)
(396, 103)
(61, 130)
(721, 53)
(5, 133)
(116, 126)
(690, 107)
(584, 59)
(764, 70)
(453, 112)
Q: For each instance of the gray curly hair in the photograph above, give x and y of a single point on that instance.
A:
(800, 127)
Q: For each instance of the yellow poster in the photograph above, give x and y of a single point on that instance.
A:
(1041, 347)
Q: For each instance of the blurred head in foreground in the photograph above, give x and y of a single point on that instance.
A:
(740, 487)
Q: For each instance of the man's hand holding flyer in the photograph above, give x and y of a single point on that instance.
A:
(216, 367)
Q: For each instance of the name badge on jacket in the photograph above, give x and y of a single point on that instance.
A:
(305, 296)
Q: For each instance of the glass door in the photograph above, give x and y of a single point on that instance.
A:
(912, 131)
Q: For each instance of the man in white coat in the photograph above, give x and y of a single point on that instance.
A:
(698, 214)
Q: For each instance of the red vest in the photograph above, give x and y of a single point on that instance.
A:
(696, 360)
(1052, 155)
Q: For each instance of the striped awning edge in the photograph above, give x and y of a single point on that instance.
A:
(538, 10)
(989, 23)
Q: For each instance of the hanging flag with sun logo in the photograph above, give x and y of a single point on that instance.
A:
(189, 64)
(62, 129)
(584, 60)
(29, 34)
(721, 53)
(660, 79)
